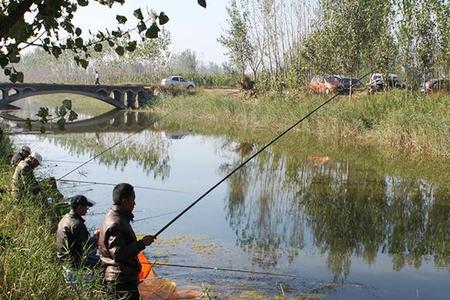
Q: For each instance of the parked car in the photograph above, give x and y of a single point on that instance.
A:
(326, 84)
(394, 82)
(436, 84)
(354, 83)
(178, 81)
(378, 83)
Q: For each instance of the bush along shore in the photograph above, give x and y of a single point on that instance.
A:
(28, 268)
(398, 120)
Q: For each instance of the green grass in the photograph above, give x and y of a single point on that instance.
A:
(399, 120)
(28, 269)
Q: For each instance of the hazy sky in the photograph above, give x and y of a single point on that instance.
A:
(191, 26)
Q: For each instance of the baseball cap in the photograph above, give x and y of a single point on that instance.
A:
(26, 149)
(80, 200)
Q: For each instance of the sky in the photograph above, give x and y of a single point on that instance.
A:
(191, 26)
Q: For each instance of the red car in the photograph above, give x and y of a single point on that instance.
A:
(326, 84)
(435, 84)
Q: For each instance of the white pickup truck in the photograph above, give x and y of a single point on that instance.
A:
(177, 81)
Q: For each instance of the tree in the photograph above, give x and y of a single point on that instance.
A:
(236, 39)
(185, 62)
(52, 19)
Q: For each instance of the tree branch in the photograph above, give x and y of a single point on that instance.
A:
(10, 20)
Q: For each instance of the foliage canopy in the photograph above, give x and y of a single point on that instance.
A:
(48, 24)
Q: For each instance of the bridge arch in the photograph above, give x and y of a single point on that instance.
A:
(102, 96)
(118, 96)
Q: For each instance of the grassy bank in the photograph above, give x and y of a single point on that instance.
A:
(28, 269)
(400, 120)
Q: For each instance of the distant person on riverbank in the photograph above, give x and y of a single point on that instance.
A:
(73, 242)
(97, 78)
(24, 183)
(21, 155)
(118, 246)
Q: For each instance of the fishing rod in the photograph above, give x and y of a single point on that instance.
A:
(220, 269)
(136, 186)
(250, 158)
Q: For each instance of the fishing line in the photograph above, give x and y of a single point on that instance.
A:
(220, 269)
(135, 186)
(157, 216)
(250, 158)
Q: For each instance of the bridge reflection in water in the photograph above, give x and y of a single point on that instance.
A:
(112, 121)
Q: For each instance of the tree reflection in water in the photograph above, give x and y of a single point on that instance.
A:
(149, 148)
(350, 209)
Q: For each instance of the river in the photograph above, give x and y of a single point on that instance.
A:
(346, 221)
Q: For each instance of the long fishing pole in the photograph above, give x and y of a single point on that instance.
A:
(249, 159)
(136, 186)
(220, 269)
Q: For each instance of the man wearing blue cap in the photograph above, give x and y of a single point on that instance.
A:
(72, 237)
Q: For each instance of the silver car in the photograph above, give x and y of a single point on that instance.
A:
(178, 81)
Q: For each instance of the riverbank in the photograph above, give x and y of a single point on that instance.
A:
(28, 269)
(399, 120)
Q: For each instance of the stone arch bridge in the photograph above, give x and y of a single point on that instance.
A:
(119, 96)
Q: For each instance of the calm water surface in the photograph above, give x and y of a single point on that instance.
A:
(348, 227)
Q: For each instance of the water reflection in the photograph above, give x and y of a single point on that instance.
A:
(349, 209)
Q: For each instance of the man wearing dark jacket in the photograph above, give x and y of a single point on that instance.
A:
(118, 246)
(72, 237)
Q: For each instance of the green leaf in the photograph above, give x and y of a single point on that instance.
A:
(3, 61)
(83, 2)
(138, 14)
(111, 43)
(7, 71)
(61, 123)
(78, 31)
(43, 114)
(61, 111)
(98, 47)
(152, 32)
(67, 103)
(163, 18)
(121, 19)
(13, 58)
(79, 42)
(13, 77)
(131, 46)
(19, 76)
(141, 26)
(72, 116)
(120, 50)
(56, 51)
(202, 3)
(84, 63)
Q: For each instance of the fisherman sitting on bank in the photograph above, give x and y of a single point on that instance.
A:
(73, 242)
(24, 182)
(21, 155)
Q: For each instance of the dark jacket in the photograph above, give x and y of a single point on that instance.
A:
(72, 239)
(118, 247)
